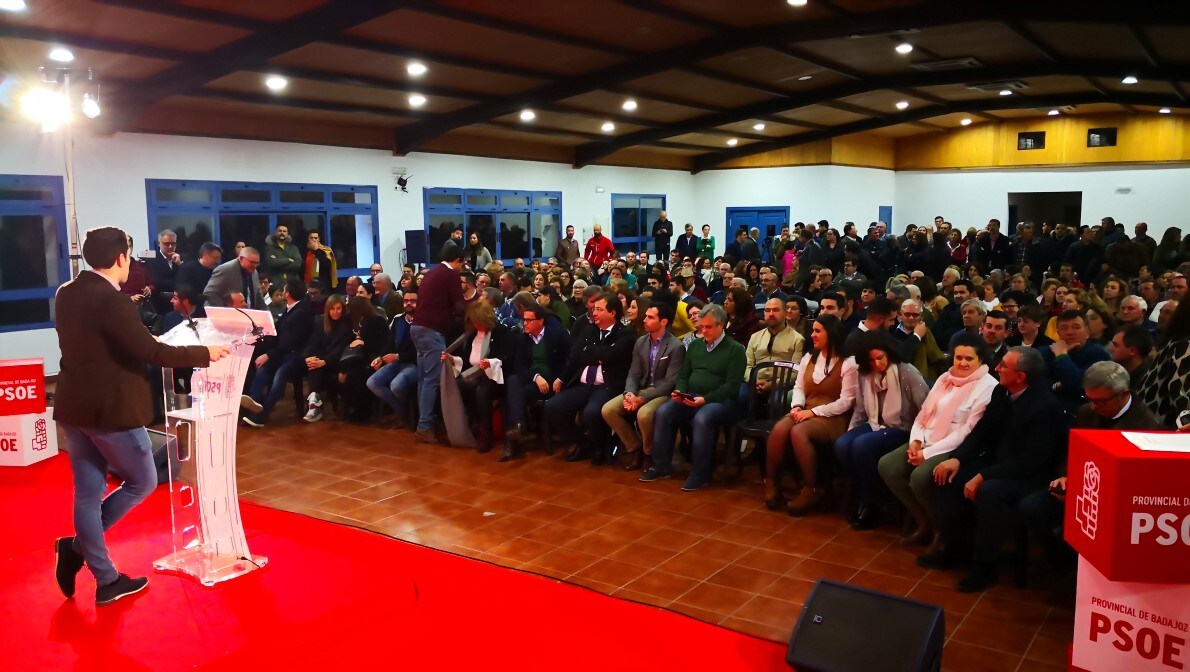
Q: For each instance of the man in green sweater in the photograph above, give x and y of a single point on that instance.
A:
(282, 259)
(703, 398)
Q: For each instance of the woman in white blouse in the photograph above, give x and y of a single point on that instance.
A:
(480, 370)
(955, 404)
(822, 400)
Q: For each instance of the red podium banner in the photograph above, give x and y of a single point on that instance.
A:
(1127, 509)
(22, 386)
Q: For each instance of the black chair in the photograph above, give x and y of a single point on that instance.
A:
(763, 411)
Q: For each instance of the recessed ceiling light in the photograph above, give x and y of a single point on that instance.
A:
(1005, 92)
(758, 127)
(805, 77)
(904, 48)
(966, 121)
(416, 69)
(902, 104)
(1129, 80)
(61, 54)
(276, 83)
(1164, 110)
(797, 3)
(607, 127)
(417, 100)
(528, 115)
(629, 105)
(732, 142)
(1054, 113)
(12, 5)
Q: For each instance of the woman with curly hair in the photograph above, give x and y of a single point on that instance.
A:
(741, 315)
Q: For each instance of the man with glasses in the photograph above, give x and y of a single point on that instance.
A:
(237, 275)
(916, 343)
(540, 356)
(395, 380)
(163, 268)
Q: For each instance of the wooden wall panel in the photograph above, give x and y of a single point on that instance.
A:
(871, 151)
(810, 154)
(1141, 138)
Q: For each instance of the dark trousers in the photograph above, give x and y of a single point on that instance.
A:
(274, 376)
(980, 526)
(478, 395)
(520, 392)
(587, 399)
(858, 454)
(1044, 515)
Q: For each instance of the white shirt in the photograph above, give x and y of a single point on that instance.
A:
(598, 367)
(822, 368)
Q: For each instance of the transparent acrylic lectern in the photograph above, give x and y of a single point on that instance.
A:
(201, 417)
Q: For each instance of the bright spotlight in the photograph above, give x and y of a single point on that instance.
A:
(91, 106)
(629, 105)
(47, 107)
(966, 121)
(904, 48)
(528, 115)
(416, 69)
(1054, 113)
(417, 100)
(61, 55)
(12, 5)
(608, 127)
(1005, 92)
(902, 104)
(1129, 80)
(732, 142)
(758, 127)
(276, 83)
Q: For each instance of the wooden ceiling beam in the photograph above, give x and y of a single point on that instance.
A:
(303, 104)
(78, 41)
(827, 94)
(365, 82)
(713, 159)
(180, 11)
(1150, 52)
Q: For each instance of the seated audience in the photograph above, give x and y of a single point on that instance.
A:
(972, 313)
(703, 399)
(881, 315)
(776, 342)
(890, 395)
(741, 317)
(916, 344)
(1068, 357)
(369, 330)
(281, 360)
(1165, 388)
(595, 372)
(657, 358)
(1130, 347)
(950, 319)
(479, 371)
(955, 404)
(329, 336)
(1111, 405)
(1029, 322)
(395, 379)
(819, 414)
(995, 333)
(1009, 454)
(539, 358)
(797, 316)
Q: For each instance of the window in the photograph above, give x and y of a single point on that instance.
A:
(1101, 137)
(1030, 140)
(33, 242)
(510, 224)
(632, 221)
(345, 217)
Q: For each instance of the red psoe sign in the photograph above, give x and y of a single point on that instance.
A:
(1127, 509)
(22, 386)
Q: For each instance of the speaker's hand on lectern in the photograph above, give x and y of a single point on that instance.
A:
(218, 352)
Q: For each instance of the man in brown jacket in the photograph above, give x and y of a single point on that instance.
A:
(102, 404)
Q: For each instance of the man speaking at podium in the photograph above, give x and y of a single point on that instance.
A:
(102, 404)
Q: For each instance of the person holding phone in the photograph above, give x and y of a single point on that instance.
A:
(704, 398)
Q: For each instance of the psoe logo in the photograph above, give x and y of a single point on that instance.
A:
(40, 440)
(1086, 505)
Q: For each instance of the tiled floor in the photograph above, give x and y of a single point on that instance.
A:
(716, 555)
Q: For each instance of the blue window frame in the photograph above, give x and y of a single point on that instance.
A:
(344, 216)
(632, 221)
(510, 224)
(33, 250)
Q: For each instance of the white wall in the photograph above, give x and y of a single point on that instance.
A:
(111, 174)
(835, 193)
(1159, 196)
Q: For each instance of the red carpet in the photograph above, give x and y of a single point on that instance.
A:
(331, 597)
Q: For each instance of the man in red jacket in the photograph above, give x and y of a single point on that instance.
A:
(599, 248)
(103, 404)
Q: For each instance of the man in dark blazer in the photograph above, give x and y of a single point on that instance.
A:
(163, 268)
(657, 358)
(395, 380)
(196, 273)
(595, 372)
(102, 405)
(663, 230)
(1009, 454)
(281, 363)
(687, 245)
(237, 275)
(750, 246)
(540, 359)
(386, 295)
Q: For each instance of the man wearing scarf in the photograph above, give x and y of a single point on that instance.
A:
(320, 262)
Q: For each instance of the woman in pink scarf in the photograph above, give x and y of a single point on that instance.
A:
(956, 402)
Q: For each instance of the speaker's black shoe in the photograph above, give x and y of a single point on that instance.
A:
(67, 565)
(517, 433)
(942, 559)
(123, 586)
(981, 577)
(510, 452)
(577, 454)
